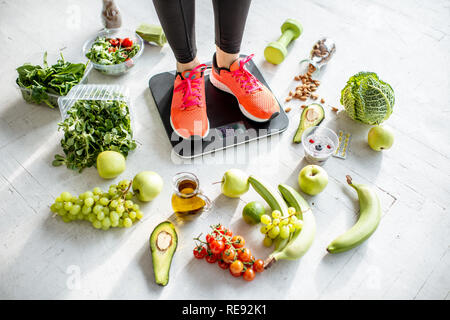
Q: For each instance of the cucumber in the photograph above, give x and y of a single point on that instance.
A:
(271, 196)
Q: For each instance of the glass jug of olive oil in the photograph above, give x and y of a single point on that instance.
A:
(187, 198)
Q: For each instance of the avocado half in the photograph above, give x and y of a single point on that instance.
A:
(311, 116)
(163, 243)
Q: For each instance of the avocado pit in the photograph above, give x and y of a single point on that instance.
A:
(163, 241)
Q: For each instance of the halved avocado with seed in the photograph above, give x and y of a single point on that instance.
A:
(163, 243)
(311, 116)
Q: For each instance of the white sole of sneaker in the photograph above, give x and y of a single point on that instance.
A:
(180, 135)
(221, 86)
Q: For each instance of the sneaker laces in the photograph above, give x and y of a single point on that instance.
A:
(191, 88)
(247, 81)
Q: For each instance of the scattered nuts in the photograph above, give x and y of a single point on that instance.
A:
(322, 100)
(334, 109)
(288, 99)
(287, 109)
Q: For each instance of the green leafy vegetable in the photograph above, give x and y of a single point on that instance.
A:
(94, 126)
(108, 51)
(43, 80)
(368, 99)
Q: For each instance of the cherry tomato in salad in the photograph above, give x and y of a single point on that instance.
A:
(114, 42)
(200, 252)
(229, 254)
(249, 274)
(217, 246)
(211, 258)
(236, 268)
(238, 241)
(224, 265)
(244, 254)
(112, 49)
(126, 42)
(258, 265)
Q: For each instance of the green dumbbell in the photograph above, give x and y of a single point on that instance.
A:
(276, 51)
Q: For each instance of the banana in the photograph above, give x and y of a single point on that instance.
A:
(272, 197)
(369, 218)
(299, 242)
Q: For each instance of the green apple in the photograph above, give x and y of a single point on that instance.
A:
(110, 164)
(380, 138)
(312, 179)
(235, 183)
(147, 185)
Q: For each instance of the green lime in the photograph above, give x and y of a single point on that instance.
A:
(252, 212)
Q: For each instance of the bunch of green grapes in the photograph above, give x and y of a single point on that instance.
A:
(278, 226)
(103, 210)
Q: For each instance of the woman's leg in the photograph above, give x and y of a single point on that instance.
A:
(230, 17)
(177, 18)
(229, 72)
(188, 115)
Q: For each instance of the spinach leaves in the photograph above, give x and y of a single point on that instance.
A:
(94, 126)
(57, 79)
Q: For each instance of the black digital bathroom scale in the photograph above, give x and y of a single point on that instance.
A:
(228, 126)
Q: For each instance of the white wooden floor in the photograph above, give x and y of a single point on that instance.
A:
(405, 42)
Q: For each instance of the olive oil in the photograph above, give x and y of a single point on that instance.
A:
(187, 199)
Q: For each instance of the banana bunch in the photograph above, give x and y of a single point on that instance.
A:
(300, 241)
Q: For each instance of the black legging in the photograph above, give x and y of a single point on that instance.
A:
(177, 19)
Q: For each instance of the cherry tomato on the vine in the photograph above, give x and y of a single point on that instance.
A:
(249, 274)
(238, 241)
(229, 254)
(236, 267)
(224, 265)
(244, 254)
(258, 265)
(228, 232)
(219, 229)
(210, 238)
(211, 258)
(217, 246)
(200, 252)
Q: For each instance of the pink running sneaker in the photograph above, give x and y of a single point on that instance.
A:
(188, 110)
(255, 101)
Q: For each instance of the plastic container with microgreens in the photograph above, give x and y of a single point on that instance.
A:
(95, 118)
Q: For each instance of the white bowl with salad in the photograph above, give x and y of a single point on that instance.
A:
(114, 51)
